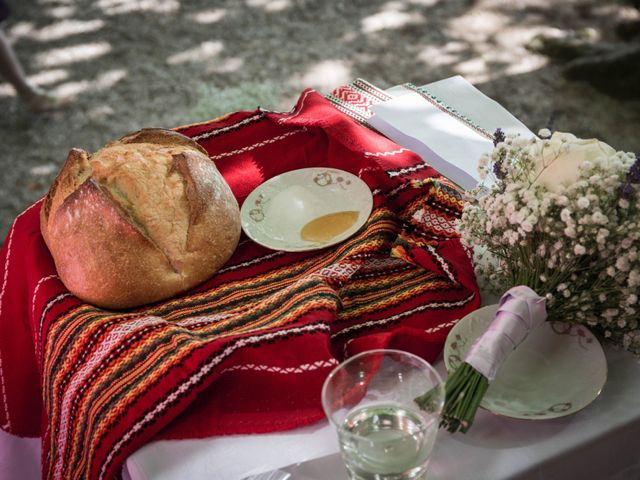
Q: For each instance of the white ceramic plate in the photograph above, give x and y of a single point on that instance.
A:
(306, 209)
(558, 370)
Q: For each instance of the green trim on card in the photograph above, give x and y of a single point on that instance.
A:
(448, 109)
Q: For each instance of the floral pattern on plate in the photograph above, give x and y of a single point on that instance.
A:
(274, 214)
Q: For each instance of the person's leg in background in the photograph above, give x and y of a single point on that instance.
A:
(10, 69)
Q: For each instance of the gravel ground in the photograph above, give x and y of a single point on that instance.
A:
(141, 63)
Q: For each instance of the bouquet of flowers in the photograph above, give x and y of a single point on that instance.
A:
(560, 223)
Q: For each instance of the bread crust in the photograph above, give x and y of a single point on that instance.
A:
(113, 245)
(159, 136)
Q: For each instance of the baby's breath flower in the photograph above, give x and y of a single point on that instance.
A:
(565, 215)
(583, 202)
(578, 245)
(622, 264)
(544, 133)
(600, 218)
(610, 313)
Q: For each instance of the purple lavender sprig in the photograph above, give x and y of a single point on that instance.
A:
(633, 177)
(498, 137)
(634, 172)
(625, 191)
(497, 169)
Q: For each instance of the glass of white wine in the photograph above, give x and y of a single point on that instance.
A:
(371, 399)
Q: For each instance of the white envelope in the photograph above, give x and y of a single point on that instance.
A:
(457, 93)
(450, 134)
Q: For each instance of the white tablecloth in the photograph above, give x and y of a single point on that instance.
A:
(600, 442)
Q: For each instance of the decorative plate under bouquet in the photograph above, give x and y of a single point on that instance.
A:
(557, 370)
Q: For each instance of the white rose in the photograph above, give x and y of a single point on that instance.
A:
(558, 159)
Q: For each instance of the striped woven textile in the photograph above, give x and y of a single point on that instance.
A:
(248, 350)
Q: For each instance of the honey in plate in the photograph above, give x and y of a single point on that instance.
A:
(326, 227)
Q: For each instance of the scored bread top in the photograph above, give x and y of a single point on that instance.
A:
(148, 216)
(149, 189)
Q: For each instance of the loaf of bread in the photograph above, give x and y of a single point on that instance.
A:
(142, 219)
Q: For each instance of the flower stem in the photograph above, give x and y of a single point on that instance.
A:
(464, 391)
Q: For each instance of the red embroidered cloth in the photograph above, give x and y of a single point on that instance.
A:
(248, 350)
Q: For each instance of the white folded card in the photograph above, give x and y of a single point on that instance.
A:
(439, 138)
(459, 94)
(446, 138)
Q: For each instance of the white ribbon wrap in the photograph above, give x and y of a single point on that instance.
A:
(520, 311)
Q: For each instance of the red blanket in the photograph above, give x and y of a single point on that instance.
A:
(248, 350)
